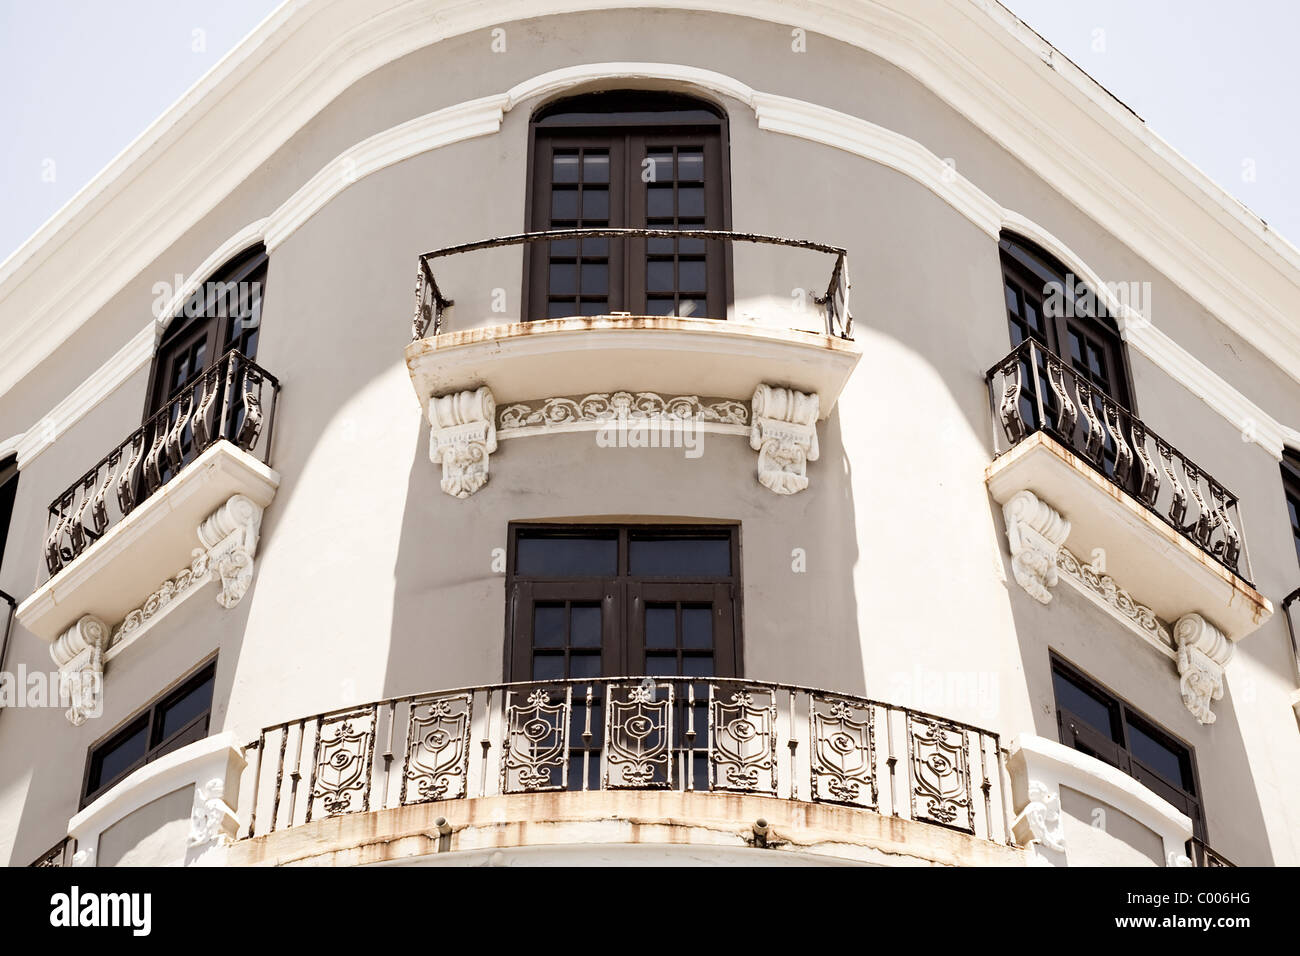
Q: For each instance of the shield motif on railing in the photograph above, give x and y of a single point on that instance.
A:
(639, 733)
(940, 761)
(742, 741)
(341, 769)
(537, 743)
(437, 749)
(843, 769)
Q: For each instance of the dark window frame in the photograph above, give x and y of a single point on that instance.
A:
(1126, 717)
(1031, 267)
(1291, 493)
(609, 119)
(8, 498)
(619, 594)
(150, 717)
(213, 331)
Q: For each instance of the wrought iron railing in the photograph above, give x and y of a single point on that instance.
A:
(630, 733)
(10, 606)
(56, 855)
(1202, 855)
(1033, 389)
(430, 303)
(227, 401)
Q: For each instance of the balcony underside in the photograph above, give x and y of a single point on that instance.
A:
(1143, 554)
(150, 545)
(523, 361)
(712, 827)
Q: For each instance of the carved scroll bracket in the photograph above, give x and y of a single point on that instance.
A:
(462, 436)
(79, 654)
(1203, 650)
(783, 431)
(1035, 532)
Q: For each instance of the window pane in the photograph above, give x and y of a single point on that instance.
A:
(689, 307)
(118, 755)
(659, 167)
(1094, 712)
(661, 627)
(659, 275)
(564, 168)
(183, 710)
(697, 627)
(584, 665)
(548, 625)
(564, 278)
(548, 666)
(567, 557)
(595, 203)
(690, 166)
(690, 201)
(661, 665)
(595, 278)
(595, 167)
(584, 625)
(683, 556)
(701, 666)
(1159, 756)
(564, 204)
(690, 276)
(659, 202)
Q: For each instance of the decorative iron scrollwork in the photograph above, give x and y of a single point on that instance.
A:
(1009, 407)
(437, 749)
(1069, 413)
(1149, 480)
(1178, 501)
(639, 734)
(1123, 454)
(939, 756)
(742, 741)
(340, 777)
(1095, 438)
(842, 733)
(536, 748)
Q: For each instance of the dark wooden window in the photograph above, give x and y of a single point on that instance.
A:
(628, 159)
(624, 600)
(1094, 721)
(1081, 331)
(178, 717)
(1291, 487)
(8, 492)
(224, 313)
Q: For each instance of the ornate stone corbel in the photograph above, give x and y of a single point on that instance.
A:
(1042, 814)
(463, 434)
(79, 654)
(783, 430)
(1203, 650)
(1035, 532)
(84, 857)
(211, 820)
(230, 536)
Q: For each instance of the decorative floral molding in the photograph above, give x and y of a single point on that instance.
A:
(462, 436)
(1043, 816)
(1104, 586)
(1203, 650)
(784, 433)
(79, 654)
(1035, 532)
(604, 407)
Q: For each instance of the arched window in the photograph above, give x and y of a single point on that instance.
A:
(628, 159)
(224, 313)
(1048, 303)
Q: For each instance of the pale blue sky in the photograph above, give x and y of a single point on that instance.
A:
(82, 78)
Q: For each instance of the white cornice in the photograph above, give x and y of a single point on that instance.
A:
(776, 114)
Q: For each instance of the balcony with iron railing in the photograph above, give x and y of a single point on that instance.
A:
(1162, 538)
(120, 537)
(498, 372)
(732, 763)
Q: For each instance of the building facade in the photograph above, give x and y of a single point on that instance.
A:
(627, 433)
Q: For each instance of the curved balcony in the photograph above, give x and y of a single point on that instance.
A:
(641, 762)
(1102, 482)
(769, 373)
(179, 502)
